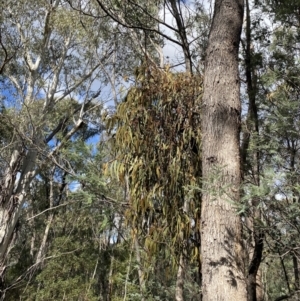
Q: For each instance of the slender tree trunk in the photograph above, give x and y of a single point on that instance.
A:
(180, 279)
(295, 254)
(141, 273)
(259, 285)
(42, 250)
(254, 290)
(110, 279)
(221, 246)
(296, 275)
(182, 266)
(127, 275)
(176, 11)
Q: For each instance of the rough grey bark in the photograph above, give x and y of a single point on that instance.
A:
(221, 247)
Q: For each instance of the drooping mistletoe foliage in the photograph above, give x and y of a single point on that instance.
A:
(157, 142)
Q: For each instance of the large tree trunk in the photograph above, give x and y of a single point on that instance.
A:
(221, 246)
(12, 195)
(12, 199)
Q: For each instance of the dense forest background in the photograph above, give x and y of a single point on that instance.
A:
(101, 165)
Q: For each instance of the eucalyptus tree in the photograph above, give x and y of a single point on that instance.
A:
(57, 65)
(221, 244)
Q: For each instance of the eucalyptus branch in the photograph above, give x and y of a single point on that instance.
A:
(83, 79)
(50, 209)
(7, 58)
(122, 22)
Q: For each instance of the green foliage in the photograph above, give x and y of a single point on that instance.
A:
(87, 253)
(68, 273)
(277, 196)
(151, 190)
(286, 11)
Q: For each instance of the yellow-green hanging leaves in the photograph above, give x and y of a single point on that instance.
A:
(158, 143)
